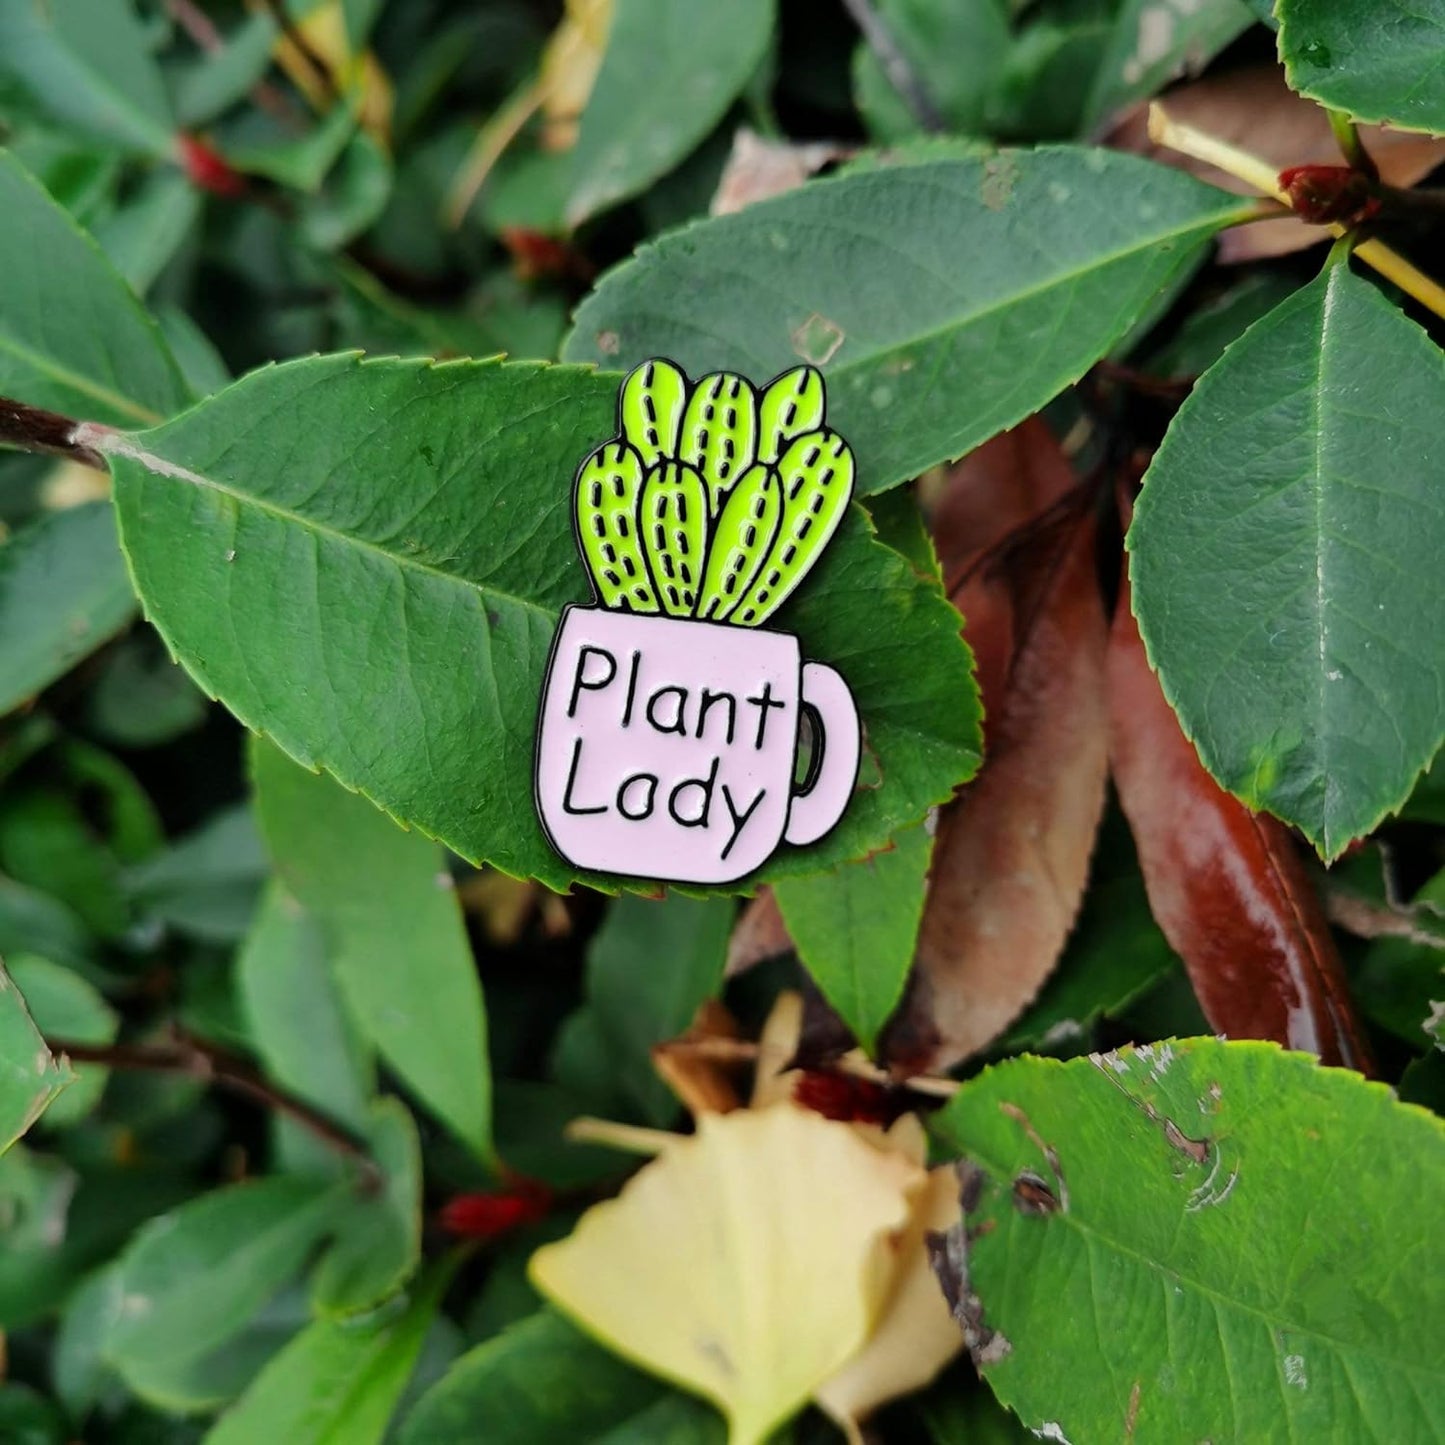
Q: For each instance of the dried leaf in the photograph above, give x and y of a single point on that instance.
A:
(758, 168)
(747, 1263)
(1225, 884)
(1254, 108)
(758, 935)
(1012, 853)
(916, 1336)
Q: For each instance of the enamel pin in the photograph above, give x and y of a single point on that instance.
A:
(671, 718)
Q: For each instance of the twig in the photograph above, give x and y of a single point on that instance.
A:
(1347, 137)
(896, 65)
(1370, 920)
(33, 429)
(197, 1061)
(1176, 136)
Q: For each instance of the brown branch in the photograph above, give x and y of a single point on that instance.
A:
(199, 1061)
(33, 429)
(896, 65)
(205, 35)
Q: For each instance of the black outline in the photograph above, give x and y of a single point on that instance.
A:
(815, 763)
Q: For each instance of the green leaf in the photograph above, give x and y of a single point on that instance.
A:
(650, 967)
(377, 586)
(667, 77)
(1283, 555)
(300, 1026)
(192, 1279)
(140, 698)
(378, 1234)
(352, 197)
(205, 1382)
(29, 1077)
(388, 910)
(856, 929)
(1379, 60)
(1152, 43)
(956, 53)
(906, 284)
(1229, 1247)
(221, 77)
(538, 1382)
(302, 163)
(146, 232)
(334, 1384)
(63, 1005)
(73, 337)
(63, 592)
(88, 62)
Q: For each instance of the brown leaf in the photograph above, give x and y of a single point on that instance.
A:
(758, 169)
(1011, 860)
(759, 934)
(1253, 108)
(1226, 885)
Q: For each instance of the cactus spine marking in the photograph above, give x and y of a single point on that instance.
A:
(790, 407)
(674, 515)
(712, 502)
(719, 433)
(609, 484)
(816, 473)
(742, 537)
(653, 398)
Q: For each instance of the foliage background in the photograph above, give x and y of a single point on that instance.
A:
(299, 1124)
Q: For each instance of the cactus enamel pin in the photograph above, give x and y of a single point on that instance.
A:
(671, 718)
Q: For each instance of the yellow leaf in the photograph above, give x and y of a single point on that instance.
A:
(916, 1336)
(322, 34)
(746, 1263)
(569, 69)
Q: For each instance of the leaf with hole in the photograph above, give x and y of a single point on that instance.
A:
(1127, 1180)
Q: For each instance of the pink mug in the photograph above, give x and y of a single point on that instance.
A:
(667, 747)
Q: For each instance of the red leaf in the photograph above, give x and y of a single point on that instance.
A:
(1226, 885)
(1016, 538)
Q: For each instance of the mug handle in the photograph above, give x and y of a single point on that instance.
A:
(819, 801)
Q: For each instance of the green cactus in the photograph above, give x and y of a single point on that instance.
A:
(741, 539)
(816, 473)
(719, 433)
(790, 407)
(653, 398)
(609, 484)
(673, 517)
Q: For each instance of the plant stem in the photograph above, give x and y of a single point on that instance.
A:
(896, 65)
(33, 429)
(198, 1061)
(1347, 136)
(1262, 176)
